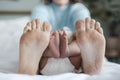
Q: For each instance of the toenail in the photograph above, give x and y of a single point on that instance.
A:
(79, 22)
(29, 23)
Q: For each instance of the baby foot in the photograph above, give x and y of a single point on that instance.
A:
(70, 50)
(63, 44)
(91, 41)
(51, 51)
(54, 44)
(33, 43)
(53, 47)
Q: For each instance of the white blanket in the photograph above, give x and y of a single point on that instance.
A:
(110, 72)
(10, 32)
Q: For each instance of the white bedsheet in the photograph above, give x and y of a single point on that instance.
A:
(10, 32)
(111, 72)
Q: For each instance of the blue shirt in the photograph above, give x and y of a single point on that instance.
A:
(60, 17)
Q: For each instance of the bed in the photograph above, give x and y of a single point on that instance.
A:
(10, 32)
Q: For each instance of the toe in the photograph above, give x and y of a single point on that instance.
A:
(46, 26)
(98, 27)
(87, 23)
(56, 33)
(80, 26)
(33, 25)
(57, 36)
(64, 34)
(38, 24)
(60, 32)
(27, 27)
(51, 33)
(92, 24)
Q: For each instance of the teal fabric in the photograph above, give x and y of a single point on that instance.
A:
(60, 17)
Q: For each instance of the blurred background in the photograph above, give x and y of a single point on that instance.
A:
(105, 11)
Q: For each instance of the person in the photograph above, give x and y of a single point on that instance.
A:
(36, 37)
(87, 32)
(60, 13)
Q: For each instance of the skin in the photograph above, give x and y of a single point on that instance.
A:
(91, 41)
(72, 48)
(58, 46)
(60, 41)
(54, 40)
(51, 51)
(89, 38)
(61, 2)
(33, 43)
(88, 33)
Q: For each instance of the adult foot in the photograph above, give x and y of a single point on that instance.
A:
(91, 41)
(33, 43)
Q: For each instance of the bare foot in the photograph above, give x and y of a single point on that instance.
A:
(54, 44)
(53, 47)
(33, 43)
(63, 44)
(51, 51)
(91, 42)
(70, 50)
